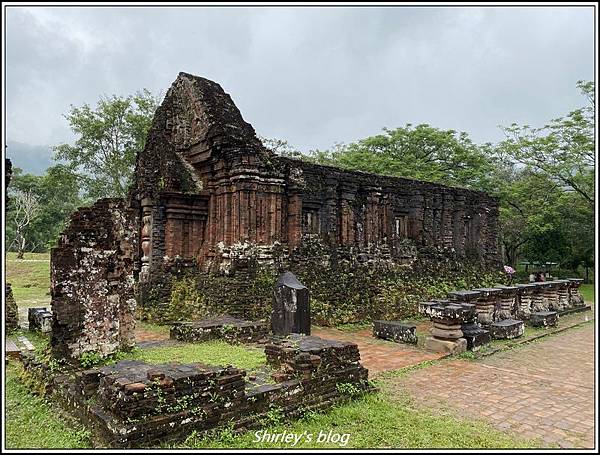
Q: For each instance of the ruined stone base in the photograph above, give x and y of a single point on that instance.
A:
(446, 346)
(224, 328)
(135, 404)
(11, 310)
(507, 329)
(395, 331)
(475, 336)
(544, 319)
(40, 319)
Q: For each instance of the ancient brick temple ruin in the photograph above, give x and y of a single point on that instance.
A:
(208, 197)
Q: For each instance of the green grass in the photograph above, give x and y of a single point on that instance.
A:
(29, 278)
(587, 291)
(33, 423)
(210, 353)
(373, 421)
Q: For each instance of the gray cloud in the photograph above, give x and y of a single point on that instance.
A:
(313, 76)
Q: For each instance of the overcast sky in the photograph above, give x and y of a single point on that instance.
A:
(312, 76)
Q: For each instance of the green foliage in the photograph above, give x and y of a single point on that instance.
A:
(420, 152)
(58, 193)
(562, 150)
(109, 137)
(187, 302)
(348, 389)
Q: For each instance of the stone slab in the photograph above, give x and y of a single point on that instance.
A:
(507, 329)
(446, 346)
(400, 332)
(11, 349)
(543, 319)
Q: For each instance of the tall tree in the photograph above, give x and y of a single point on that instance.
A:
(26, 206)
(563, 149)
(108, 138)
(421, 152)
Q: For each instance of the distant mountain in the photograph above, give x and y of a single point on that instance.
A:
(33, 159)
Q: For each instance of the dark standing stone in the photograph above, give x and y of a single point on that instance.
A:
(291, 306)
(395, 331)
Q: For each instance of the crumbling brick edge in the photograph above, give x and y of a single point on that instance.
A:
(247, 409)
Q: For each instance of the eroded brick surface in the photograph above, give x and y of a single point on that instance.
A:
(543, 390)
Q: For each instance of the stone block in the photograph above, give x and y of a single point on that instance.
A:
(399, 332)
(40, 319)
(507, 329)
(451, 347)
(544, 319)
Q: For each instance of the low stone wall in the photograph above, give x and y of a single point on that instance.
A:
(224, 328)
(135, 404)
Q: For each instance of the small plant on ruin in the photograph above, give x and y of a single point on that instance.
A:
(89, 359)
(348, 389)
(274, 415)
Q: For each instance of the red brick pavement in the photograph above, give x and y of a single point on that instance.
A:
(543, 390)
(378, 355)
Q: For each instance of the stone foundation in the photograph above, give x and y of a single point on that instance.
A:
(135, 404)
(226, 328)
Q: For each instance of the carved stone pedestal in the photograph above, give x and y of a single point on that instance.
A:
(575, 296)
(563, 294)
(446, 334)
(39, 319)
(538, 300)
(486, 305)
(507, 302)
(550, 293)
(525, 299)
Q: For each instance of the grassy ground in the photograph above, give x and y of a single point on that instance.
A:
(587, 290)
(33, 423)
(29, 278)
(382, 420)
